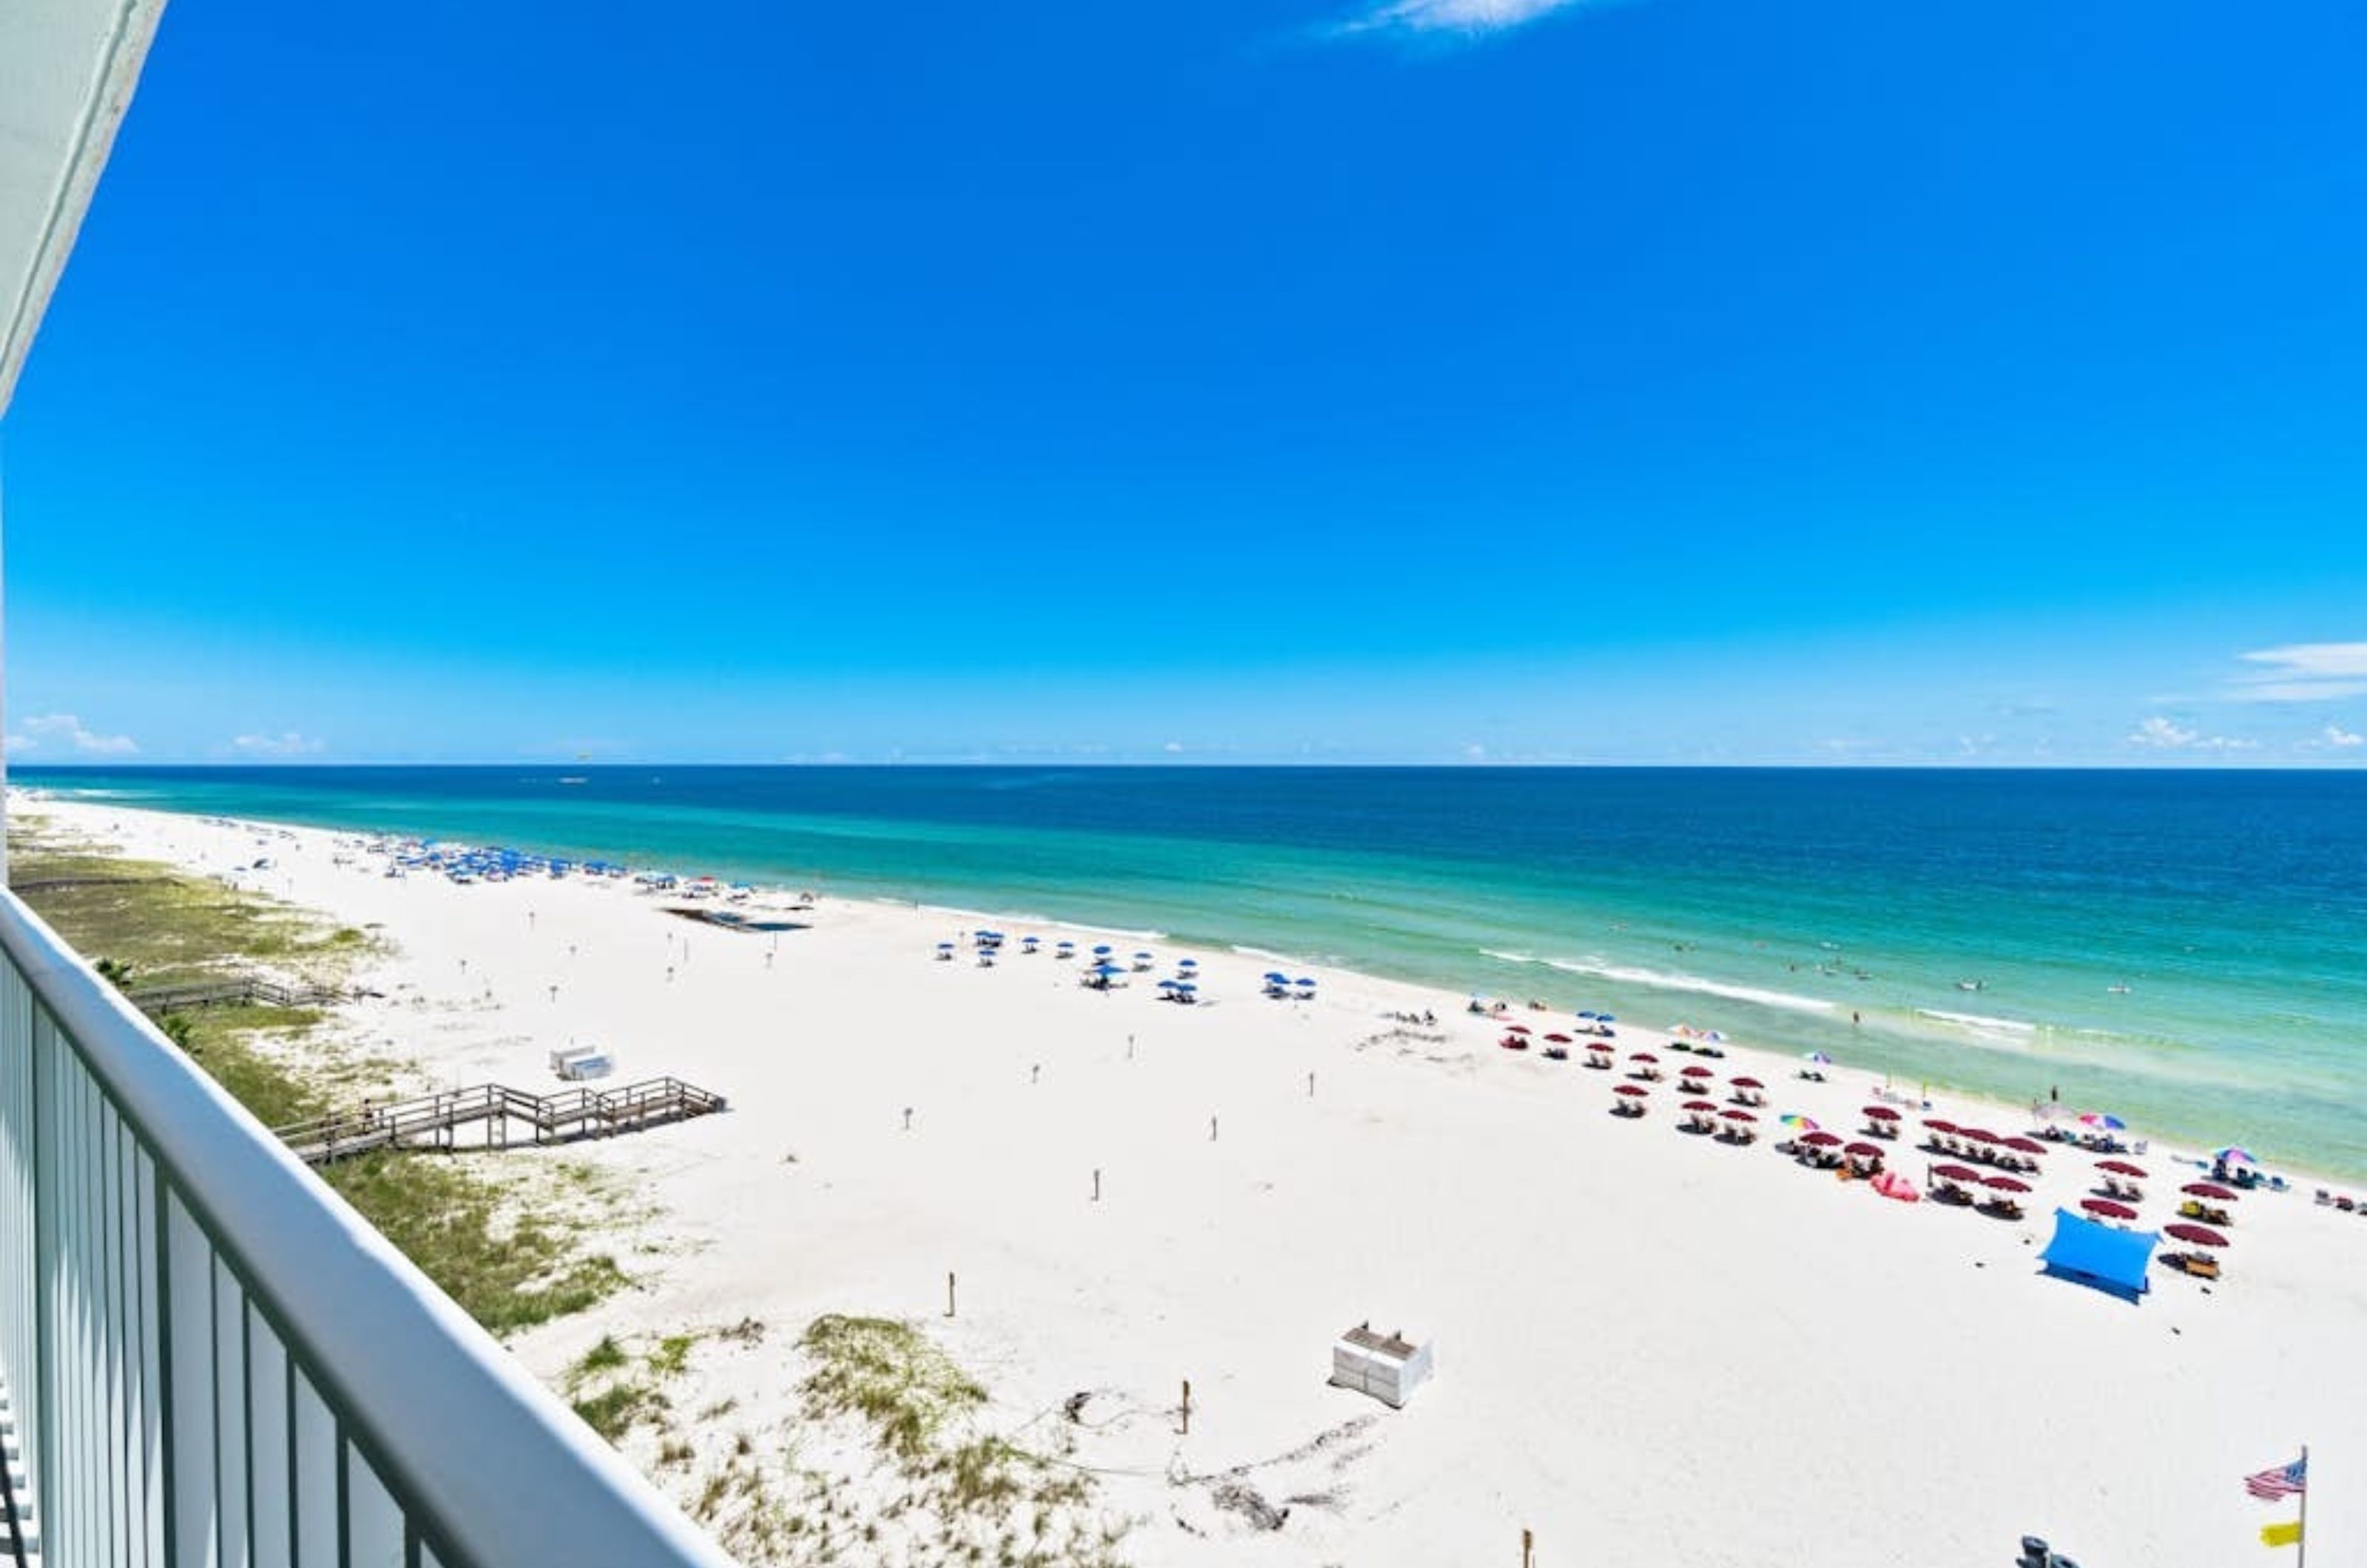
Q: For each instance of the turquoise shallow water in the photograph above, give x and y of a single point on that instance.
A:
(2231, 907)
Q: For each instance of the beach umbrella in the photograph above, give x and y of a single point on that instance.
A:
(2211, 1190)
(2107, 1208)
(2103, 1122)
(2232, 1155)
(2007, 1184)
(1516, 1029)
(2025, 1146)
(1607, 1017)
(1169, 985)
(1738, 1116)
(1185, 985)
(1587, 1016)
(1277, 978)
(1303, 980)
(1188, 964)
(1821, 1140)
(1642, 1056)
(1932, 1124)
(1978, 1135)
(1794, 1119)
(1863, 1150)
(2121, 1167)
(1956, 1173)
(1699, 1105)
(1103, 950)
(1880, 1113)
(1557, 1039)
(2199, 1236)
(943, 946)
(1107, 969)
(1631, 1089)
(1144, 956)
(1746, 1083)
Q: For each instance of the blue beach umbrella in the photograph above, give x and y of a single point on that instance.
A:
(1277, 976)
(1101, 951)
(1604, 1018)
(1107, 969)
(1185, 985)
(1169, 985)
(2234, 1155)
(1303, 980)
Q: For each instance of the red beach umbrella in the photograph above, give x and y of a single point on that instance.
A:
(2007, 1184)
(1978, 1135)
(1699, 1105)
(1956, 1173)
(1863, 1149)
(1516, 1029)
(2121, 1167)
(2107, 1208)
(1696, 1071)
(1642, 1056)
(1880, 1113)
(1822, 1140)
(2025, 1146)
(1746, 1083)
(1557, 1039)
(2208, 1190)
(2200, 1236)
(1936, 1126)
(1738, 1116)
(1631, 1089)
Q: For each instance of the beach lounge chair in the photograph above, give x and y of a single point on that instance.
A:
(2202, 1265)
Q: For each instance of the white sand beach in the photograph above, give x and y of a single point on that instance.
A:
(1652, 1349)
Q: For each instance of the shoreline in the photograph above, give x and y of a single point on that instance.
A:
(1631, 1037)
(1618, 1307)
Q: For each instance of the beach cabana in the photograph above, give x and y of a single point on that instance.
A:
(2104, 1256)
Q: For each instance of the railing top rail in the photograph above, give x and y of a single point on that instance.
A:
(473, 1446)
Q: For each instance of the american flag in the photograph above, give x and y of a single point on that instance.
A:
(2281, 1482)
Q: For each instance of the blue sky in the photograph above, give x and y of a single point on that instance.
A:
(1668, 380)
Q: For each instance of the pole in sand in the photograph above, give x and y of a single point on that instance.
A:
(1097, 1184)
(1528, 1548)
(1187, 1407)
(1212, 1129)
(949, 1292)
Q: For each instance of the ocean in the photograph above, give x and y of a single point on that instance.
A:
(2187, 950)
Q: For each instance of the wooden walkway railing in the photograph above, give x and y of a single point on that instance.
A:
(499, 1116)
(234, 991)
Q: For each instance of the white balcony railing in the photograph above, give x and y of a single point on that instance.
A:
(213, 1362)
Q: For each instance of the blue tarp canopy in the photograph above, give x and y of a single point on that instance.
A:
(2103, 1256)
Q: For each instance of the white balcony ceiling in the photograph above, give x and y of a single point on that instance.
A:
(67, 68)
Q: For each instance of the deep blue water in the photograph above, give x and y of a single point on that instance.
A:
(1772, 904)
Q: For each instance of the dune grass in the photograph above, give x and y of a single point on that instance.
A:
(507, 1265)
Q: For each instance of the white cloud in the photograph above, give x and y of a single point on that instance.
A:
(288, 745)
(63, 732)
(2302, 673)
(2333, 735)
(2168, 735)
(1454, 15)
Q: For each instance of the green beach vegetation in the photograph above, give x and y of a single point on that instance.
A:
(510, 1253)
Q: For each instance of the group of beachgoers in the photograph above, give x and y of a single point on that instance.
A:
(1100, 967)
(1970, 1166)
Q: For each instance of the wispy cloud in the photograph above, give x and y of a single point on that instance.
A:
(2335, 738)
(2302, 673)
(2162, 734)
(1467, 17)
(287, 745)
(64, 732)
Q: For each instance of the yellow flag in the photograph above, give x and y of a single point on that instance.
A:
(2281, 1535)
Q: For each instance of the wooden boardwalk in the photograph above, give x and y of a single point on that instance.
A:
(494, 1116)
(234, 991)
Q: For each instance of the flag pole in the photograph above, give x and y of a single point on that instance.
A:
(2301, 1553)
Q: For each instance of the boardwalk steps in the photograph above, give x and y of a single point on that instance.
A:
(495, 1116)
